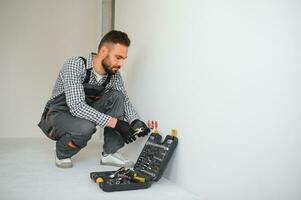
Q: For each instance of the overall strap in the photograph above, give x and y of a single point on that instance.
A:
(104, 84)
(88, 75)
(88, 71)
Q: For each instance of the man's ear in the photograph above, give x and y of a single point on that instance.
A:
(103, 51)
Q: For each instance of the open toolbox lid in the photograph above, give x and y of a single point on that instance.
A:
(155, 156)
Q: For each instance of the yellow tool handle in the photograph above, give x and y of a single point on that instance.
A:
(139, 178)
(99, 180)
(174, 132)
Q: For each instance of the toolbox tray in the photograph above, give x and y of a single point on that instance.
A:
(121, 187)
(150, 165)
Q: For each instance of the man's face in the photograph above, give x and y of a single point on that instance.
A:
(114, 59)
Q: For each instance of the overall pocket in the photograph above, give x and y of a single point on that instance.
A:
(46, 127)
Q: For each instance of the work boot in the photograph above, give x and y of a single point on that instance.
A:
(63, 163)
(115, 159)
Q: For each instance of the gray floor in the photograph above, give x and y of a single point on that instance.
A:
(27, 171)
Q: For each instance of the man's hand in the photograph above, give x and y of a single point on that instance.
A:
(125, 131)
(138, 124)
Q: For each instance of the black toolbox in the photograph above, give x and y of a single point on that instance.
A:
(149, 167)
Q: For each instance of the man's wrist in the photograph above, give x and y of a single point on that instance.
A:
(112, 122)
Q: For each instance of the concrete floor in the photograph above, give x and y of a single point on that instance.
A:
(27, 171)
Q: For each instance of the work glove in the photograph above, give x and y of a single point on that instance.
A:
(125, 131)
(138, 124)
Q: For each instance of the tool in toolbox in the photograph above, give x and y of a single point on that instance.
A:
(138, 130)
(149, 166)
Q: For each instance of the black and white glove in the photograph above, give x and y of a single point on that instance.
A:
(126, 131)
(140, 126)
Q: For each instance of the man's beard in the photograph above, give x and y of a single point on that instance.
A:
(107, 68)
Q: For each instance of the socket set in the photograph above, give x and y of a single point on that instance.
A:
(148, 168)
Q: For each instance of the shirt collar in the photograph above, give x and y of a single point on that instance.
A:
(98, 77)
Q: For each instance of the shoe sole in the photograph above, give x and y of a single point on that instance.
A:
(64, 165)
(117, 165)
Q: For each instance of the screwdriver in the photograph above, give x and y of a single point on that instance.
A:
(139, 178)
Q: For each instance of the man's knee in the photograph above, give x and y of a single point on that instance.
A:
(118, 96)
(87, 128)
(113, 104)
(83, 134)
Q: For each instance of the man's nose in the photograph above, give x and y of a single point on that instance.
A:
(120, 62)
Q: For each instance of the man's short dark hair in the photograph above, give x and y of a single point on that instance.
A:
(115, 37)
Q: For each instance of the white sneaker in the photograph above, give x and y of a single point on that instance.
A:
(63, 163)
(117, 160)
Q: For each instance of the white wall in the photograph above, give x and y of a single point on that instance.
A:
(227, 75)
(36, 37)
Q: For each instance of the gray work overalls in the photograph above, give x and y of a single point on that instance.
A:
(58, 124)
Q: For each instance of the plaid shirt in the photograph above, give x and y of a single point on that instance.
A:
(70, 81)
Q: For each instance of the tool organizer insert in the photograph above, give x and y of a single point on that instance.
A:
(149, 167)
